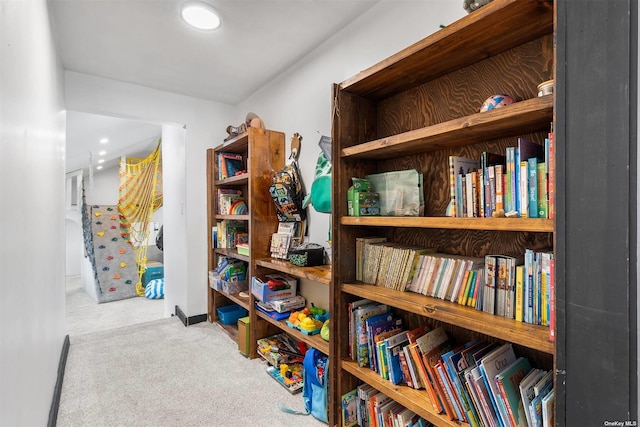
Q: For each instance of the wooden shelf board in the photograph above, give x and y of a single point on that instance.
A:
(488, 31)
(234, 180)
(524, 334)
(232, 253)
(536, 225)
(320, 274)
(231, 330)
(522, 117)
(416, 400)
(236, 144)
(233, 217)
(312, 340)
(241, 301)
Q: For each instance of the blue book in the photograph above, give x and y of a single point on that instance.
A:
(533, 187)
(393, 347)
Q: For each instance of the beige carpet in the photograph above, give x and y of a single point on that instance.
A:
(160, 373)
(84, 314)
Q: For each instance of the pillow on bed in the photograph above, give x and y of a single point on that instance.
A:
(155, 289)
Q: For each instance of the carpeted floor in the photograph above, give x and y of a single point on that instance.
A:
(160, 373)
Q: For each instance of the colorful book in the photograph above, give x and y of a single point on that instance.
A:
(349, 405)
(532, 170)
(548, 414)
(487, 160)
(393, 348)
(527, 393)
(542, 190)
(519, 293)
(458, 165)
(362, 314)
(490, 366)
(489, 288)
(431, 346)
(508, 381)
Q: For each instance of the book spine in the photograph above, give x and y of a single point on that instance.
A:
(425, 378)
(480, 192)
(552, 174)
(511, 419)
(452, 188)
(533, 187)
(519, 292)
(499, 171)
(459, 192)
(524, 189)
(542, 190)
(492, 190)
(516, 180)
(508, 197)
(552, 301)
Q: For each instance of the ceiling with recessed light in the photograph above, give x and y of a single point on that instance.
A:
(146, 42)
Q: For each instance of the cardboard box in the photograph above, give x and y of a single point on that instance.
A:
(260, 288)
(243, 335)
(362, 203)
(288, 304)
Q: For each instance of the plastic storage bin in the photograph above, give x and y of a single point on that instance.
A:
(229, 314)
(234, 287)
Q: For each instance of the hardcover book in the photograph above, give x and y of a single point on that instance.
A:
(490, 366)
(508, 381)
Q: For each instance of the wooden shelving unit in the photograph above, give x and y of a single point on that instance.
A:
(263, 152)
(412, 111)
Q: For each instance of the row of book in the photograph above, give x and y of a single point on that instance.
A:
(483, 384)
(229, 233)
(230, 164)
(518, 183)
(516, 287)
(231, 202)
(365, 406)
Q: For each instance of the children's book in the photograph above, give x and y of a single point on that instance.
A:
(526, 391)
(376, 325)
(350, 408)
(365, 391)
(362, 314)
(393, 348)
(490, 366)
(508, 381)
(548, 414)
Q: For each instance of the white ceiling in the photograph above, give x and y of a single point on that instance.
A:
(145, 42)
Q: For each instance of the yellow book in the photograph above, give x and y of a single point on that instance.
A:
(519, 292)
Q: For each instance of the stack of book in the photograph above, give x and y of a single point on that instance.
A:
(464, 382)
(231, 202)
(228, 233)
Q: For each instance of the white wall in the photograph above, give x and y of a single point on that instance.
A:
(300, 99)
(297, 101)
(32, 224)
(184, 169)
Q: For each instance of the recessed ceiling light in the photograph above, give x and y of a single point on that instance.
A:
(104, 140)
(102, 153)
(200, 15)
(99, 167)
(101, 161)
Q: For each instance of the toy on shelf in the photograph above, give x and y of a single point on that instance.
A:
(309, 321)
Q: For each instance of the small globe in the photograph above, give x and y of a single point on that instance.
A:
(496, 101)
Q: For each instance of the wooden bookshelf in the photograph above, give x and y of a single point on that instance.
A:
(262, 152)
(412, 111)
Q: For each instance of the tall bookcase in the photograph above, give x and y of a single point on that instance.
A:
(414, 110)
(263, 153)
